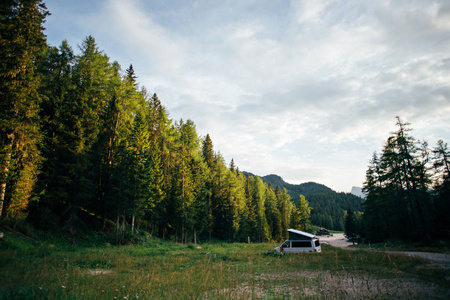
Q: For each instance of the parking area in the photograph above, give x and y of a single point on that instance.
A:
(337, 240)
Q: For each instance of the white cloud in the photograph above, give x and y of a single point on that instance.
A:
(308, 12)
(146, 41)
(305, 89)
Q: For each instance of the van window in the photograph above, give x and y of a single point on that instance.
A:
(287, 244)
(317, 243)
(301, 244)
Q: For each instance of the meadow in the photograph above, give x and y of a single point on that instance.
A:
(158, 269)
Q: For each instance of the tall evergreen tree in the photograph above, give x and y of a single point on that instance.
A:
(377, 214)
(183, 189)
(57, 88)
(207, 151)
(441, 164)
(131, 76)
(398, 203)
(208, 158)
(273, 215)
(301, 215)
(200, 206)
(413, 176)
(258, 195)
(350, 226)
(21, 41)
(285, 207)
(162, 135)
(81, 121)
(141, 169)
(219, 211)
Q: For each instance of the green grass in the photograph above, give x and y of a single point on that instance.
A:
(166, 270)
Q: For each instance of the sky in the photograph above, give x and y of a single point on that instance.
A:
(307, 90)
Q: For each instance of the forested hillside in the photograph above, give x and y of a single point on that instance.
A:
(84, 147)
(327, 206)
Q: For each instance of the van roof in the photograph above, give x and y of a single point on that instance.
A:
(299, 232)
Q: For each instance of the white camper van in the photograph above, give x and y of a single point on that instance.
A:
(300, 241)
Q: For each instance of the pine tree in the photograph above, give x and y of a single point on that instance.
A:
(232, 166)
(398, 203)
(414, 178)
(248, 220)
(200, 206)
(111, 151)
(258, 195)
(162, 135)
(207, 151)
(441, 164)
(285, 208)
(378, 204)
(131, 76)
(301, 215)
(208, 158)
(57, 89)
(220, 224)
(21, 41)
(81, 121)
(235, 202)
(272, 214)
(350, 226)
(183, 188)
(141, 169)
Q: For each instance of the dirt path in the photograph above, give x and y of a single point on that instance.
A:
(338, 240)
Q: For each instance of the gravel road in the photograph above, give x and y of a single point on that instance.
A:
(338, 240)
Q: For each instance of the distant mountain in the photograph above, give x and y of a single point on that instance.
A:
(295, 190)
(328, 206)
(357, 191)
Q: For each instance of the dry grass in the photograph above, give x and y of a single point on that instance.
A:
(340, 285)
(163, 270)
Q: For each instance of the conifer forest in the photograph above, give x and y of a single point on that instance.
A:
(408, 190)
(84, 147)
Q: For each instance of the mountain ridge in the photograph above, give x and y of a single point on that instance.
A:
(327, 205)
(357, 191)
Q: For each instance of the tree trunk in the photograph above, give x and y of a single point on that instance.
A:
(182, 233)
(5, 171)
(109, 157)
(132, 223)
(117, 229)
(385, 210)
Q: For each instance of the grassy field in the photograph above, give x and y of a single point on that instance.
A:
(165, 270)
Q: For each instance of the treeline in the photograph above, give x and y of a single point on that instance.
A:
(408, 190)
(328, 209)
(327, 206)
(84, 147)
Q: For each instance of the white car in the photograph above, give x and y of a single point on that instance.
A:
(295, 246)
